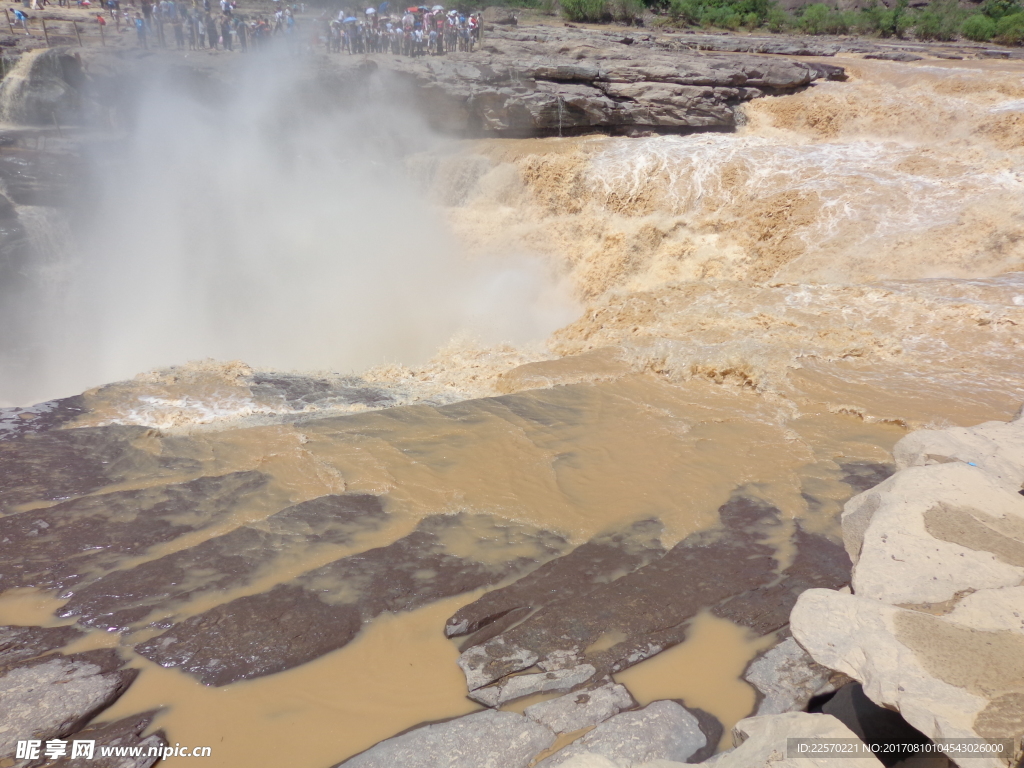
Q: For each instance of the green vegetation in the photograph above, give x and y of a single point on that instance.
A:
(1001, 21)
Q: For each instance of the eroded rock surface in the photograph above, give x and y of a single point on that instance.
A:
(71, 542)
(604, 626)
(581, 709)
(935, 627)
(787, 678)
(761, 743)
(59, 464)
(323, 609)
(487, 739)
(663, 730)
(127, 733)
(123, 597)
(553, 80)
(18, 644)
(54, 696)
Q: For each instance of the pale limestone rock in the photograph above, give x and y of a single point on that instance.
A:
(761, 742)
(663, 730)
(485, 739)
(787, 678)
(947, 679)
(581, 709)
(929, 533)
(995, 446)
(518, 686)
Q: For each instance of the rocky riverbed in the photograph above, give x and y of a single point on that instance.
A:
(928, 626)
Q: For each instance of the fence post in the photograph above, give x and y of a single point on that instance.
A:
(103, 39)
(46, 35)
(77, 35)
(8, 15)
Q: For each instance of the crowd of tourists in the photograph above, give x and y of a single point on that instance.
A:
(418, 31)
(195, 25)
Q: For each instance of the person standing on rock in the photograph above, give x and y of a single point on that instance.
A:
(211, 32)
(225, 32)
(140, 29)
(179, 34)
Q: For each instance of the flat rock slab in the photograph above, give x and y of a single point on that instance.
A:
(663, 730)
(487, 739)
(607, 626)
(575, 574)
(324, 609)
(121, 598)
(59, 464)
(581, 709)
(54, 696)
(78, 540)
(18, 644)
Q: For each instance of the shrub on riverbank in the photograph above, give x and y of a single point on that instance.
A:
(998, 20)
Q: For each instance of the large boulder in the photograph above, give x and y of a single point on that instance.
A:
(762, 742)
(929, 533)
(997, 447)
(960, 675)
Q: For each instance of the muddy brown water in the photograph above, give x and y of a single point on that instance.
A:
(762, 314)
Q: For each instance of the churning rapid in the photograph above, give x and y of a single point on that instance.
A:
(569, 335)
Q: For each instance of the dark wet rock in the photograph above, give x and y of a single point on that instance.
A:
(54, 696)
(323, 609)
(491, 739)
(588, 636)
(61, 546)
(787, 678)
(581, 571)
(581, 709)
(299, 391)
(44, 177)
(663, 730)
(45, 91)
(15, 422)
(871, 723)
(63, 463)
(819, 562)
(862, 475)
(255, 635)
(124, 597)
(18, 644)
(829, 71)
(127, 733)
(894, 56)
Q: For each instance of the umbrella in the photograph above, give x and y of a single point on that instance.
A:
(413, 9)
(370, 11)
(437, 8)
(350, 20)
